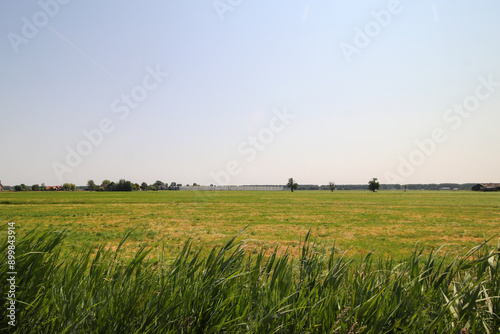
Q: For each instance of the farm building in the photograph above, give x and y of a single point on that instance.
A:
(54, 188)
(486, 187)
(234, 188)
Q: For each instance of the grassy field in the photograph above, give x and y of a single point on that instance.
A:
(388, 223)
(87, 281)
(231, 290)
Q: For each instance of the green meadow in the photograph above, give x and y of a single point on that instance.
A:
(173, 262)
(387, 223)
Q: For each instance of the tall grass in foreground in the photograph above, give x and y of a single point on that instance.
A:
(232, 291)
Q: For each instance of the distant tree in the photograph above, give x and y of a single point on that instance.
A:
(291, 184)
(128, 186)
(110, 187)
(42, 187)
(173, 184)
(21, 187)
(374, 184)
(69, 187)
(120, 186)
(35, 187)
(159, 184)
(137, 186)
(91, 185)
(105, 184)
(144, 186)
(124, 185)
(332, 186)
(405, 186)
(196, 184)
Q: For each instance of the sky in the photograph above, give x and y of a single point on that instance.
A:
(249, 92)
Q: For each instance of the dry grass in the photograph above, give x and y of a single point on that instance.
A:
(390, 223)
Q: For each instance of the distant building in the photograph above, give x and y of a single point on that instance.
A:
(56, 188)
(233, 188)
(486, 187)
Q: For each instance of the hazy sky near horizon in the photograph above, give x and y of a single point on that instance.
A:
(249, 92)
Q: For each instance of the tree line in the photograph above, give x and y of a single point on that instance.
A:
(373, 185)
(106, 185)
(416, 186)
(124, 185)
(42, 187)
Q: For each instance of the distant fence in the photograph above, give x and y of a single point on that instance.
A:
(235, 188)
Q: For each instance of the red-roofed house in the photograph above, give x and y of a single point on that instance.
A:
(56, 188)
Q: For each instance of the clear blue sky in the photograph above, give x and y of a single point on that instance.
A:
(362, 82)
